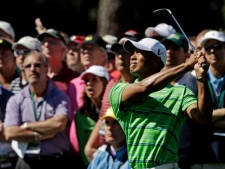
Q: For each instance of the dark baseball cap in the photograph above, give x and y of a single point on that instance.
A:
(119, 45)
(6, 42)
(94, 39)
(52, 32)
(178, 39)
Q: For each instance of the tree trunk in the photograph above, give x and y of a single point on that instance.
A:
(114, 17)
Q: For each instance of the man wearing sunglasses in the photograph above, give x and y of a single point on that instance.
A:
(207, 143)
(21, 47)
(39, 115)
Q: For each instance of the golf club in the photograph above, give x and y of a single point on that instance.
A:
(162, 11)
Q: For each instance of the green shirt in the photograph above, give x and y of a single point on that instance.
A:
(84, 127)
(152, 124)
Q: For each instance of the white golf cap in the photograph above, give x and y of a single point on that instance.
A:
(214, 34)
(29, 42)
(96, 70)
(162, 29)
(147, 44)
(7, 28)
(110, 39)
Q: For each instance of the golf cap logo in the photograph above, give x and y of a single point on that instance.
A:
(174, 36)
(159, 52)
(88, 38)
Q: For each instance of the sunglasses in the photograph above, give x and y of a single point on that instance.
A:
(36, 65)
(20, 52)
(74, 49)
(214, 47)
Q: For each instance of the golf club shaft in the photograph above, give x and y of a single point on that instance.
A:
(163, 10)
(204, 66)
(192, 47)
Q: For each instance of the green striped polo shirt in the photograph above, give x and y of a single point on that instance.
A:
(152, 124)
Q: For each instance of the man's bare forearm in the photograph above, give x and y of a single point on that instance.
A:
(152, 83)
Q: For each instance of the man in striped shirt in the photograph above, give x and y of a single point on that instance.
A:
(151, 111)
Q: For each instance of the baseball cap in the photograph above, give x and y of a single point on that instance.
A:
(130, 32)
(6, 27)
(147, 44)
(178, 39)
(6, 42)
(117, 46)
(162, 29)
(110, 39)
(96, 70)
(29, 42)
(109, 113)
(52, 32)
(77, 38)
(213, 34)
(94, 39)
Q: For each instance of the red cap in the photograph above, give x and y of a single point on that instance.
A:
(130, 32)
(77, 38)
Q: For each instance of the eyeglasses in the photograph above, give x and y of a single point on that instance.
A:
(20, 52)
(74, 49)
(214, 47)
(36, 65)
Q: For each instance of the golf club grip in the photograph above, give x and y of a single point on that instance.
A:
(204, 66)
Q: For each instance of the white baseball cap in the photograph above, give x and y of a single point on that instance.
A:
(162, 29)
(147, 44)
(110, 39)
(29, 42)
(213, 34)
(96, 70)
(6, 27)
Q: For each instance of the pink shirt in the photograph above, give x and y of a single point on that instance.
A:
(75, 89)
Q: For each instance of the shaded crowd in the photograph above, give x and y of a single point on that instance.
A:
(140, 101)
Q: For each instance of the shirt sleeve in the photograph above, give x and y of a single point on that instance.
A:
(189, 99)
(115, 97)
(63, 105)
(12, 116)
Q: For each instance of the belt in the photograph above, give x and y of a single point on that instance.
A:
(48, 157)
(166, 166)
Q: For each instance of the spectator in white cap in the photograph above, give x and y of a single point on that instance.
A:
(122, 62)
(207, 148)
(95, 81)
(160, 31)
(92, 52)
(149, 110)
(21, 47)
(7, 31)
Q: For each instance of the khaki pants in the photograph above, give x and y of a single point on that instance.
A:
(166, 166)
(209, 166)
